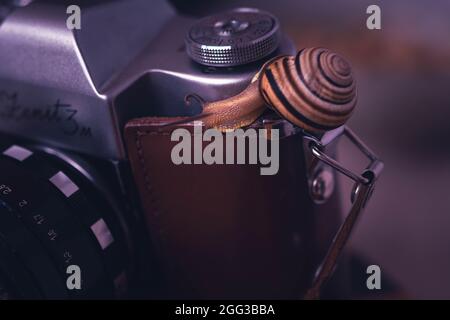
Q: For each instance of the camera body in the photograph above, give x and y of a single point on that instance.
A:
(129, 60)
(65, 99)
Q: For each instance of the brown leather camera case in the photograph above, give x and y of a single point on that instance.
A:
(226, 231)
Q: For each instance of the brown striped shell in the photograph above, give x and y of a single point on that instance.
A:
(314, 90)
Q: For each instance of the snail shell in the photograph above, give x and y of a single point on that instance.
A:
(314, 90)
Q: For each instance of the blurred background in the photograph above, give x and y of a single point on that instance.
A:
(403, 74)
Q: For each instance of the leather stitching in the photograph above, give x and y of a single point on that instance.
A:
(145, 171)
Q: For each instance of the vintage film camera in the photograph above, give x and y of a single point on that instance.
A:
(85, 172)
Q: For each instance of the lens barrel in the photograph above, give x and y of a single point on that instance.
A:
(52, 217)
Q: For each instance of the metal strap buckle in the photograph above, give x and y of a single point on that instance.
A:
(364, 186)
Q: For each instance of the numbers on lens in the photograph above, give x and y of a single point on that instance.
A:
(23, 203)
(5, 190)
(52, 234)
(67, 257)
(39, 219)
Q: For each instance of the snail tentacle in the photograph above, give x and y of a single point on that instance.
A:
(193, 96)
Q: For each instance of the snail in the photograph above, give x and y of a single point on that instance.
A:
(314, 90)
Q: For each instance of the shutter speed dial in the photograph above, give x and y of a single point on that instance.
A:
(233, 38)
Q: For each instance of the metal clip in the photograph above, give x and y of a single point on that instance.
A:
(364, 186)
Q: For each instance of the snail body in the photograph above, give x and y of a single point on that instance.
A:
(238, 111)
(314, 90)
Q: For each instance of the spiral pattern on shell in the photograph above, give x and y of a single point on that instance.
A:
(314, 90)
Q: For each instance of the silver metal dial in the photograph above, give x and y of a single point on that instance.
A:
(233, 38)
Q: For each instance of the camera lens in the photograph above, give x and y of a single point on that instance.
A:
(53, 218)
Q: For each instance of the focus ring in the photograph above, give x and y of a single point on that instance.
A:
(63, 220)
